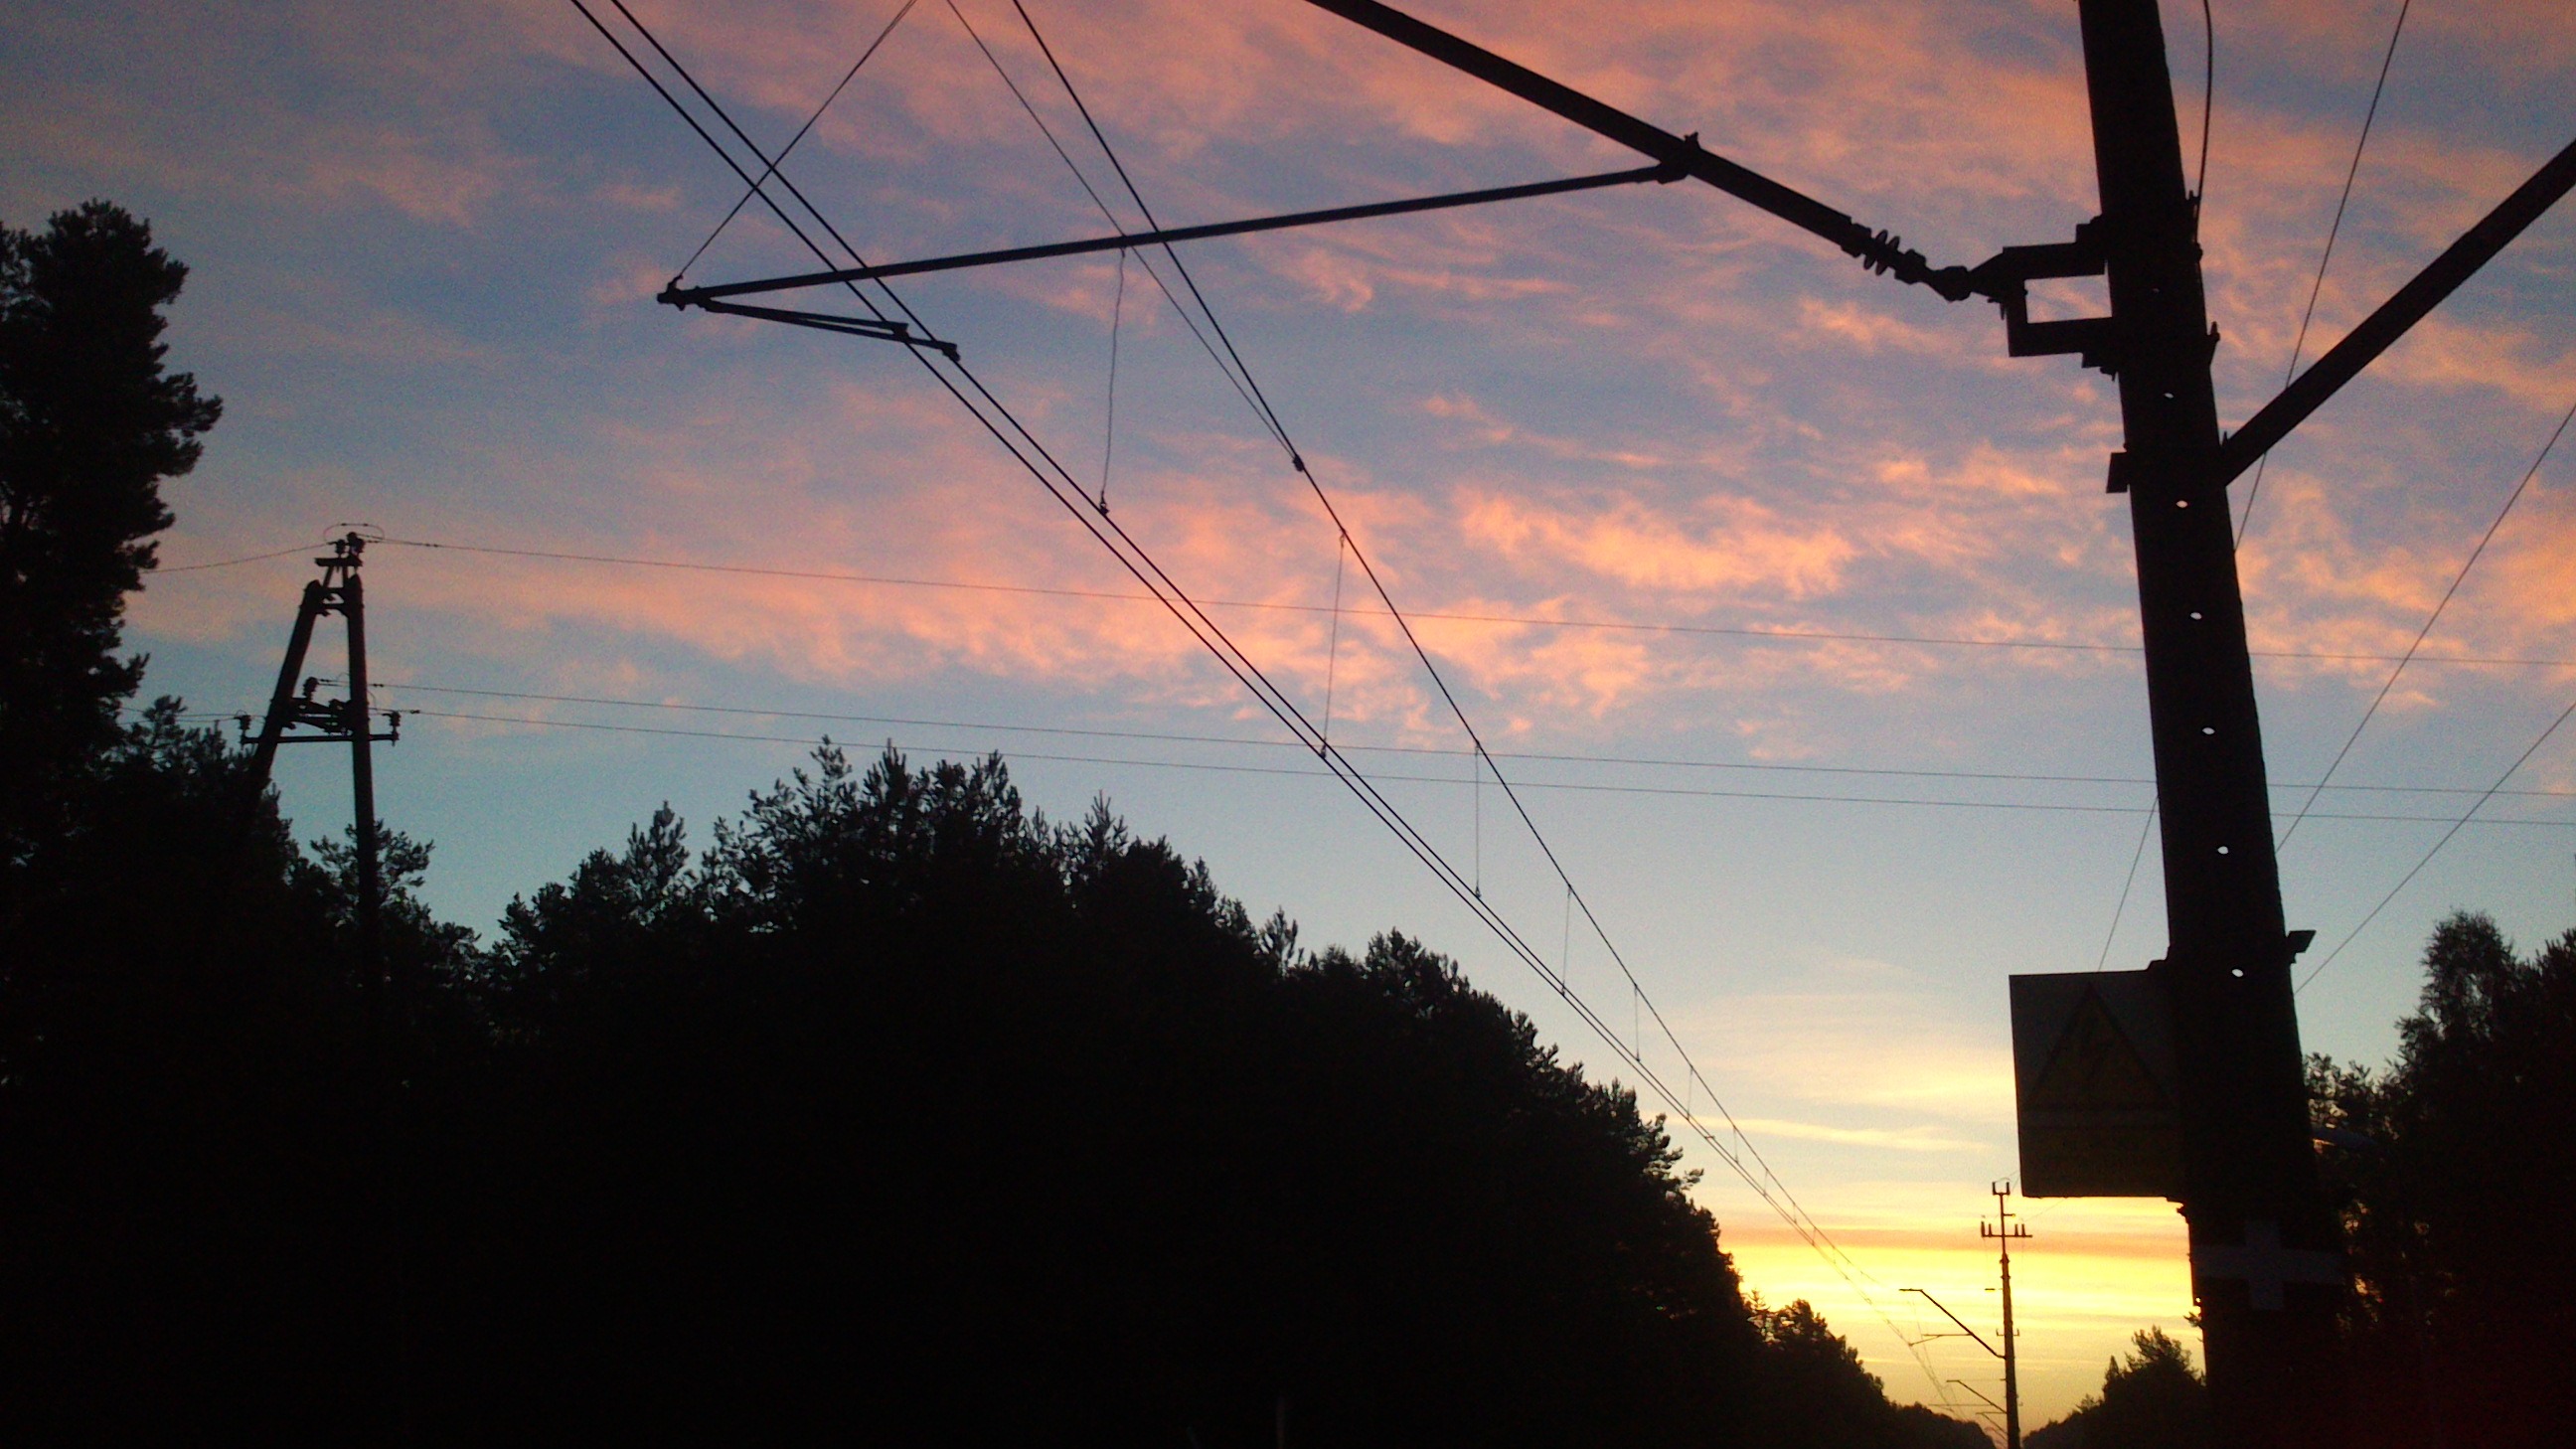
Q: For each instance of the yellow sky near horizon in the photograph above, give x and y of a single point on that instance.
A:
(2093, 1272)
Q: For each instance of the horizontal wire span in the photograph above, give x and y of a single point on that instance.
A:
(1579, 787)
(1537, 756)
(1521, 620)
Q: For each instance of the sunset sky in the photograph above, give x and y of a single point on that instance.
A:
(425, 242)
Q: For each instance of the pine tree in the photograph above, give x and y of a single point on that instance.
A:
(90, 425)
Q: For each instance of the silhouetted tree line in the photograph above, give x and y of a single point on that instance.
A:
(898, 1113)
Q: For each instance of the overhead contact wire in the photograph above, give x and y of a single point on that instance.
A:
(1298, 462)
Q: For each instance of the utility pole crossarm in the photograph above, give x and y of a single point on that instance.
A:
(1880, 251)
(2410, 305)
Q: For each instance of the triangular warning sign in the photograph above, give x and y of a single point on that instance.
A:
(2095, 1066)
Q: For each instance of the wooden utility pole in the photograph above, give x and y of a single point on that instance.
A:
(2265, 1247)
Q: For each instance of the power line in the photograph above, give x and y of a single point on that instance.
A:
(1143, 567)
(1834, 1255)
(2433, 618)
(2333, 230)
(1093, 192)
(776, 161)
(1140, 563)
(235, 562)
(1380, 776)
(1521, 620)
(1540, 756)
(2208, 100)
(2456, 827)
(2144, 830)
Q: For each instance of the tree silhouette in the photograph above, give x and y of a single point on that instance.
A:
(2457, 1180)
(90, 424)
(899, 1110)
(2152, 1398)
(1814, 1392)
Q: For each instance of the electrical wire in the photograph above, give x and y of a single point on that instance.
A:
(1109, 427)
(234, 562)
(1833, 1253)
(1193, 617)
(2433, 618)
(1047, 131)
(772, 168)
(2447, 835)
(1143, 567)
(1540, 621)
(1261, 403)
(1541, 756)
(2254, 490)
(1129, 553)
(2122, 909)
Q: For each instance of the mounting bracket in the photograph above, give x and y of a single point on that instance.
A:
(2006, 277)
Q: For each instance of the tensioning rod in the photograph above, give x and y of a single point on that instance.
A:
(1880, 251)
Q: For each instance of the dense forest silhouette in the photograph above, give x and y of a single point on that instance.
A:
(897, 1112)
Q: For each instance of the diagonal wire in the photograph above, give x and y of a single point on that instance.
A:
(1141, 565)
(2430, 620)
(776, 161)
(1196, 329)
(2456, 827)
(2255, 489)
(2122, 909)
(1261, 402)
(1061, 484)
(1804, 1222)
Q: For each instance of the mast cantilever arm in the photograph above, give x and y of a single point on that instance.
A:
(679, 296)
(1954, 1318)
(880, 330)
(1879, 251)
(2381, 329)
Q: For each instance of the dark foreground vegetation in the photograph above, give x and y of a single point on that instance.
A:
(2455, 1170)
(897, 1114)
(899, 1111)
(2458, 1190)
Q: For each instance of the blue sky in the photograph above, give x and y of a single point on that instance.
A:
(426, 243)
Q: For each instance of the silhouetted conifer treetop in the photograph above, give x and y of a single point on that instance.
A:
(2151, 1398)
(90, 424)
